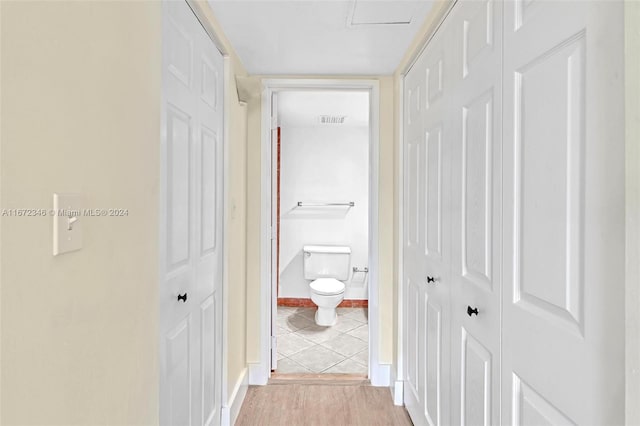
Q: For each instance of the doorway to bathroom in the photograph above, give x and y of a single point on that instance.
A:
(321, 226)
(320, 147)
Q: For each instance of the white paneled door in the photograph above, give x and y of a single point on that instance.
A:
(476, 97)
(563, 303)
(427, 240)
(190, 221)
(513, 245)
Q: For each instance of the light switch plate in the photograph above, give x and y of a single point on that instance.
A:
(67, 222)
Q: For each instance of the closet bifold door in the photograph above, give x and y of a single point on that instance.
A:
(426, 240)
(563, 302)
(476, 286)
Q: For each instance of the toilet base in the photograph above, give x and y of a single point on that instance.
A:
(326, 317)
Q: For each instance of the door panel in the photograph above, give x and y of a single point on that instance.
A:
(208, 358)
(477, 190)
(475, 385)
(433, 208)
(413, 387)
(413, 247)
(531, 408)
(179, 189)
(190, 222)
(209, 192)
(415, 190)
(426, 247)
(563, 270)
(433, 364)
(178, 358)
(549, 281)
(476, 187)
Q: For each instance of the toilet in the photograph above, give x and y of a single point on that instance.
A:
(327, 267)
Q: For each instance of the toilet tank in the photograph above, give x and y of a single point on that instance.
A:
(326, 262)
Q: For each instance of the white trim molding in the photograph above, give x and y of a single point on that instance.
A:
(397, 392)
(231, 409)
(225, 231)
(398, 395)
(379, 374)
(258, 373)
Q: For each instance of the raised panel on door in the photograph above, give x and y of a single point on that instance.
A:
(433, 362)
(209, 359)
(564, 236)
(433, 195)
(177, 350)
(413, 311)
(477, 180)
(179, 188)
(476, 213)
(476, 381)
(209, 190)
(434, 76)
(531, 408)
(414, 193)
(550, 197)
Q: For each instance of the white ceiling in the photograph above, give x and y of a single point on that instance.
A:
(302, 109)
(321, 37)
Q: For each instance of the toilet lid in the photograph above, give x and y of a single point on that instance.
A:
(327, 286)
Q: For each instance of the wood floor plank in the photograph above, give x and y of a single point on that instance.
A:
(320, 405)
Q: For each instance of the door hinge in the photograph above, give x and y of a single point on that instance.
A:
(272, 232)
(274, 343)
(274, 123)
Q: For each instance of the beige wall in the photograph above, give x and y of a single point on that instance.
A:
(386, 191)
(632, 90)
(253, 228)
(236, 241)
(80, 113)
(385, 205)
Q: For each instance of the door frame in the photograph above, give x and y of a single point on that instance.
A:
(259, 373)
(202, 17)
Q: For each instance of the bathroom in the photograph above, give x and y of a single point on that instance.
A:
(322, 242)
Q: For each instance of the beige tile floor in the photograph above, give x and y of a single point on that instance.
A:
(304, 347)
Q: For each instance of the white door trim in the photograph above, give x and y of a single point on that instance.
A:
(397, 385)
(259, 374)
(226, 126)
(197, 9)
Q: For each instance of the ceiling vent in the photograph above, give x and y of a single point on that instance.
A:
(332, 119)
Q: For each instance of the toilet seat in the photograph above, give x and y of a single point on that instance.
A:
(327, 286)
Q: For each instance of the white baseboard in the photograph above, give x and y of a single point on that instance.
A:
(232, 409)
(397, 390)
(258, 374)
(381, 375)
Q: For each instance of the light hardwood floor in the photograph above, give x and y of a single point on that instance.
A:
(321, 405)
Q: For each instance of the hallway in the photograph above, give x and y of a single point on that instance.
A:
(503, 265)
